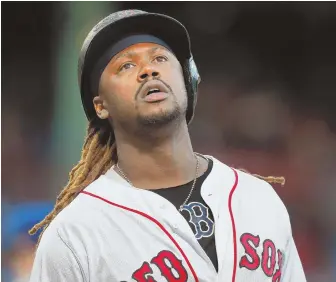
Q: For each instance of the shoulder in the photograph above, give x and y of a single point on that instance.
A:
(61, 253)
(56, 260)
(262, 201)
(253, 191)
(76, 218)
(69, 232)
(85, 215)
(246, 182)
(258, 189)
(68, 226)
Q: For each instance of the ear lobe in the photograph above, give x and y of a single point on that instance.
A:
(103, 114)
(101, 111)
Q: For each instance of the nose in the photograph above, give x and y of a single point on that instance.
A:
(147, 72)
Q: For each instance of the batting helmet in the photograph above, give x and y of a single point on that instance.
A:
(129, 22)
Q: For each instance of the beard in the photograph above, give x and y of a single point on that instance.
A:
(162, 117)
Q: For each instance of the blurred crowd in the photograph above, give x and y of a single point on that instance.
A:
(266, 104)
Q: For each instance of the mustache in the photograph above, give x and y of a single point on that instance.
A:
(145, 81)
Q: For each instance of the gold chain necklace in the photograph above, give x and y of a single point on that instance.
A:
(191, 190)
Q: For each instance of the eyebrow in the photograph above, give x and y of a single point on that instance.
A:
(153, 50)
(131, 54)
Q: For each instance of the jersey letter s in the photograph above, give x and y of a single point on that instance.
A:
(247, 241)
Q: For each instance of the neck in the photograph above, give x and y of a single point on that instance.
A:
(153, 162)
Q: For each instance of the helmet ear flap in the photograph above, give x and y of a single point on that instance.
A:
(192, 79)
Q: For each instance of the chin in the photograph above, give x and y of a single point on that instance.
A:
(160, 117)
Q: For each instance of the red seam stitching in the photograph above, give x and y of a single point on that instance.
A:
(233, 227)
(153, 220)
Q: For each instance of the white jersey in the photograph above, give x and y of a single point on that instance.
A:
(114, 232)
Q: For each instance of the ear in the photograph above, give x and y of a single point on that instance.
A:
(101, 111)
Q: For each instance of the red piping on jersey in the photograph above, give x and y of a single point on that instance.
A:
(233, 227)
(151, 219)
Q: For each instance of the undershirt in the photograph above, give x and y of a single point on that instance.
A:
(196, 212)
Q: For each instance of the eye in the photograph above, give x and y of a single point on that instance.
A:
(126, 66)
(160, 59)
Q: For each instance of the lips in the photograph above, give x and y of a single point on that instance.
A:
(152, 87)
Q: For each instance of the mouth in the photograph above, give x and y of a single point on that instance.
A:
(153, 88)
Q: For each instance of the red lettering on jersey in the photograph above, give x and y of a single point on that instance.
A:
(277, 274)
(267, 260)
(170, 266)
(268, 257)
(143, 273)
(247, 241)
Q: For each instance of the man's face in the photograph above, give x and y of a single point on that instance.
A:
(142, 85)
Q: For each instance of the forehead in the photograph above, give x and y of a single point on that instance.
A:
(139, 49)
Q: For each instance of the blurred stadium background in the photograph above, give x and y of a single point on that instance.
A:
(267, 103)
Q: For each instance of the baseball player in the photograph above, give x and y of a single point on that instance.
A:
(141, 205)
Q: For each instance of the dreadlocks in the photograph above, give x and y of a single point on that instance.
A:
(95, 160)
(270, 179)
(99, 153)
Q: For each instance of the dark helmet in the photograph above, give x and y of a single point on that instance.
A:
(120, 24)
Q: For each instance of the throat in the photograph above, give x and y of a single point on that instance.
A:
(152, 163)
(157, 177)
